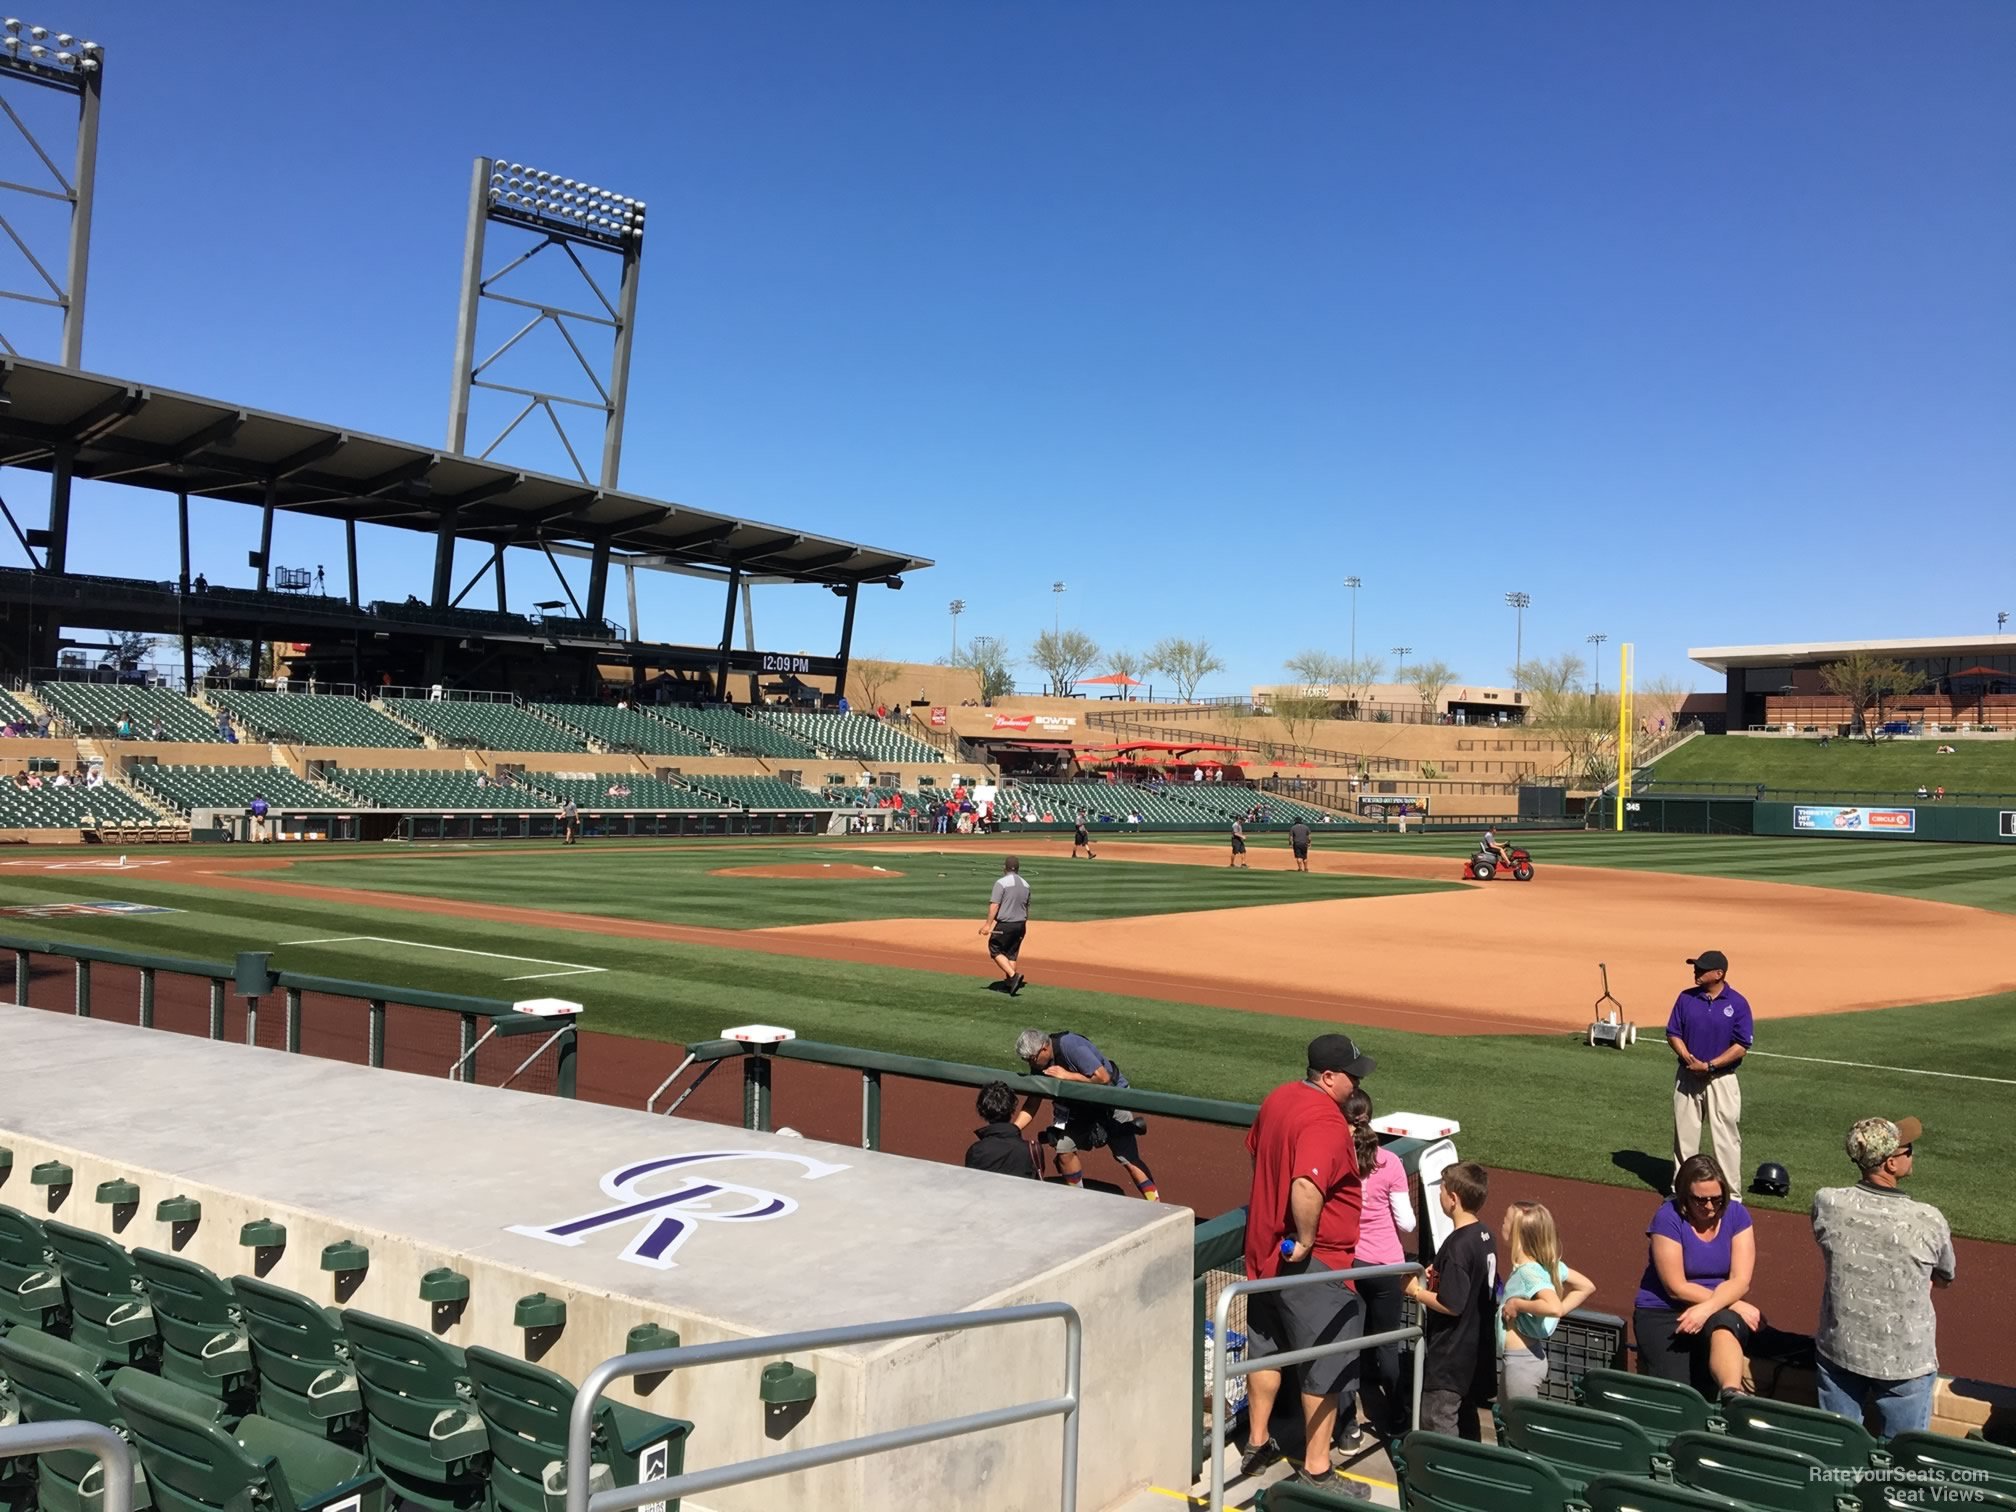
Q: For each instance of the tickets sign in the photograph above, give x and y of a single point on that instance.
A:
(1892, 821)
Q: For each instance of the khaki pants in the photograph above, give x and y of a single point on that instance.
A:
(1717, 1100)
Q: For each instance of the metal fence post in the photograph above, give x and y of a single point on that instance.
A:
(293, 1020)
(464, 1044)
(374, 1054)
(146, 997)
(756, 1093)
(251, 1021)
(22, 973)
(871, 1110)
(566, 1070)
(83, 1002)
(216, 1008)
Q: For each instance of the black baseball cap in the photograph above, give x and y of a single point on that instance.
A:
(1709, 960)
(1339, 1052)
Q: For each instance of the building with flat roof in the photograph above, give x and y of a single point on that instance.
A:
(1962, 679)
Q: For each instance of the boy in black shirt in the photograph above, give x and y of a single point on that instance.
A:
(1456, 1299)
(999, 1143)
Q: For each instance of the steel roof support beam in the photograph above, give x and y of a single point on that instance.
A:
(444, 559)
(727, 634)
(598, 579)
(846, 641)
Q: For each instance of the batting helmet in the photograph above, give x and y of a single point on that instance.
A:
(1773, 1180)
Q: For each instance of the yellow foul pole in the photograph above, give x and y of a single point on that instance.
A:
(1627, 729)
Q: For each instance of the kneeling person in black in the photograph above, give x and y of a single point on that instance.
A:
(999, 1144)
(1072, 1057)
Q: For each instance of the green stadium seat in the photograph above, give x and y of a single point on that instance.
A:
(303, 1361)
(95, 709)
(432, 791)
(625, 729)
(1761, 1476)
(729, 731)
(764, 793)
(1440, 1473)
(51, 807)
(607, 793)
(423, 1431)
(233, 787)
(1835, 1441)
(1664, 1409)
(193, 1465)
(858, 735)
(526, 1407)
(110, 1314)
(54, 1381)
(1580, 1443)
(31, 1288)
(322, 719)
(1976, 1461)
(1630, 1493)
(203, 1342)
(482, 724)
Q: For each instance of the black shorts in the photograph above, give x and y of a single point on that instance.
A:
(1006, 940)
(1301, 850)
(1238, 846)
(1302, 1318)
(1079, 837)
(1664, 1352)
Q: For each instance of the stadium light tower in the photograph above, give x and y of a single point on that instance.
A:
(1057, 605)
(1403, 652)
(1596, 660)
(958, 608)
(1354, 584)
(575, 218)
(1519, 603)
(30, 55)
(2001, 621)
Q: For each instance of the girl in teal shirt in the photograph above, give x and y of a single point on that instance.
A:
(1539, 1291)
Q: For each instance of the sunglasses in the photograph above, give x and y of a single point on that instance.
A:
(1721, 1200)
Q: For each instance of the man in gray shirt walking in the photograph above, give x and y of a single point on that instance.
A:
(1007, 922)
(1877, 1340)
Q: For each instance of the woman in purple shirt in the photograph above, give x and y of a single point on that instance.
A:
(1691, 1320)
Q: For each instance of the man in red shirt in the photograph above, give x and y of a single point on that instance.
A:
(1307, 1196)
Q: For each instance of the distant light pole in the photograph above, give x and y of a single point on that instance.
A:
(1354, 584)
(2001, 621)
(1597, 642)
(1057, 600)
(1403, 652)
(1520, 603)
(958, 608)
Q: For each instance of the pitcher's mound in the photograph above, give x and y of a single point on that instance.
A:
(807, 871)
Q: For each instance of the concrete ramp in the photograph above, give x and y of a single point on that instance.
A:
(713, 1232)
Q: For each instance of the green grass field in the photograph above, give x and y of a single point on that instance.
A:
(1527, 1102)
(1886, 766)
(680, 886)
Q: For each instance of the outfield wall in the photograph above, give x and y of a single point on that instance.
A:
(1696, 814)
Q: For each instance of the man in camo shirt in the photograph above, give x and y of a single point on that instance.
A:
(1884, 1253)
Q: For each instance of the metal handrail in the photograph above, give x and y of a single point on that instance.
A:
(1224, 1368)
(581, 1419)
(115, 1458)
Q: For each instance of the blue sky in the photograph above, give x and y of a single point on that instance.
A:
(1695, 322)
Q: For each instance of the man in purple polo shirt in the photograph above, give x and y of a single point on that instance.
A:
(1710, 1031)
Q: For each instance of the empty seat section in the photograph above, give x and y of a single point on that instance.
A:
(193, 1465)
(601, 793)
(761, 792)
(193, 787)
(1229, 801)
(1438, 1473)
(400, 788)
(203, 1343)
(51, 807)
(525, 1408)
(1065, 800)
(727, 729)
(96, 709)
(31, 1288)
(852, 735)
(110, 1317)
(424, 1434)
(482, 724)
(315, 719)
(298, 1350)
(54, 1381)
(13, 711)
(626, 729)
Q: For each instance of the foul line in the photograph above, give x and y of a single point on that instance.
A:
(1814, 1060)
(532, 976)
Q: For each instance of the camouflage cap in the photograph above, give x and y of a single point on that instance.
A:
(1874, 1140)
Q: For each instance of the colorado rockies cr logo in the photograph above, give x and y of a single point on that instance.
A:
(666, 1220)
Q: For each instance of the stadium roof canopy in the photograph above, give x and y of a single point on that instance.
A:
(156, 438)
(1813, 653)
